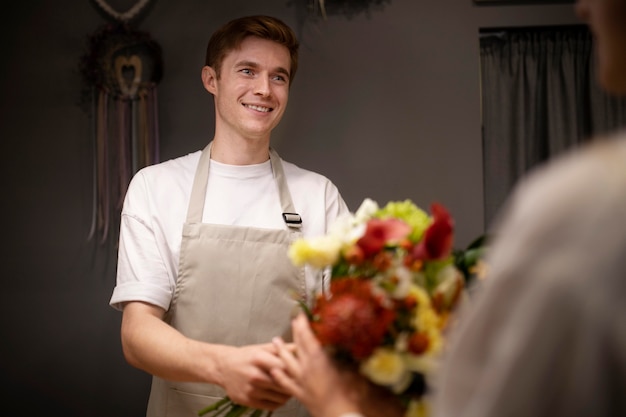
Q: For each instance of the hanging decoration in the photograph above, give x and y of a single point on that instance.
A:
(121, 70)
(346, 8)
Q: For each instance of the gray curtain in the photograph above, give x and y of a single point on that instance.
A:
(539, 97)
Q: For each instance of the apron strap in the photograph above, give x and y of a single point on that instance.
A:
(198, 190)
(291, 218)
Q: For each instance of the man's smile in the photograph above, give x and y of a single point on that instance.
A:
(258, 108)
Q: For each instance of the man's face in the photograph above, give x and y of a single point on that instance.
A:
(253, 89)
(607, 21)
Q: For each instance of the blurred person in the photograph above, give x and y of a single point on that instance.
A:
(546, 335)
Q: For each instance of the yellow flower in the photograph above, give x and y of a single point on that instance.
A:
(424, 364)
(387, 367)
(420, 295)
(427, 320)
(417, 408)
(318, 252)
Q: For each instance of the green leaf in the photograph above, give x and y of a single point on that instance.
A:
(306, 310)
(223, 402)
(465, 259)
(259, 413)
(237, 410)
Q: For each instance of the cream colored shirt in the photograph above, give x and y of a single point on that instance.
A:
(546, 334)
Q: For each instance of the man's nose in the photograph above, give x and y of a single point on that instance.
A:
(262, 86)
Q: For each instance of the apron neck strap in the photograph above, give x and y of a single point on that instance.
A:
(291, 218)
(198, 190)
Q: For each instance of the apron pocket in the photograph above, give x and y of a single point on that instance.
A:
(183, 404)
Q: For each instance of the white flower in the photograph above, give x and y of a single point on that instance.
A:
(366, 210)
(346, 229)
(449, 282)
(448, 274)
(404, 282)
(402, 342)
(419, 278)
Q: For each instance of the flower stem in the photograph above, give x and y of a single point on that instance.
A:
(215, 406)
(237, 410)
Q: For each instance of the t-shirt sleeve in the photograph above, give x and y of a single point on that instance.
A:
(142, 274)
(335, 204)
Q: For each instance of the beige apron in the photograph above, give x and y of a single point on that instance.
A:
(235, 286)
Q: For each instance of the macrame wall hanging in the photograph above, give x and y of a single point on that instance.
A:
(315, 9)
(347, 8)
(121, 70)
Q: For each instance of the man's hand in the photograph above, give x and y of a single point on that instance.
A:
(245, 375)
(157, 348)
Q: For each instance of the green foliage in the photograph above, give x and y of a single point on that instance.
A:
(466, 259)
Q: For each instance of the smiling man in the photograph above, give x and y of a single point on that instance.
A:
(204, 280)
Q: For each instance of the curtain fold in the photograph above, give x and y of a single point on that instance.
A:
(539, 98)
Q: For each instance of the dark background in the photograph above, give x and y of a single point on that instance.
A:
(386, 105)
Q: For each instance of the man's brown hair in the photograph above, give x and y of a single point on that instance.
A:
(231, 35)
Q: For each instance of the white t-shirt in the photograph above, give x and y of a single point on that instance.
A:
(155, 209)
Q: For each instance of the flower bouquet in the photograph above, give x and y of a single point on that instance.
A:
(394, 281)
(393, 284)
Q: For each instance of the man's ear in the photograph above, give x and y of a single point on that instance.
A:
(209, 79)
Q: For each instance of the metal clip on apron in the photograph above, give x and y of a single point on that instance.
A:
(235, 286)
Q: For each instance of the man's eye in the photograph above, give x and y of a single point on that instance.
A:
(246, 71)
(279, 78)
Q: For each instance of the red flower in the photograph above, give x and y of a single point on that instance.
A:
(353, 319)
(437, 241)
(380, 232)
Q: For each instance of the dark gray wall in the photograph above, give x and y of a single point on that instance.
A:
(386, 106)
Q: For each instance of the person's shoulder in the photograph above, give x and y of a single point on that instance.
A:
(580, 165)
(169, 176)
(579, 181)
(181, 165)
(298, 173)
(561, 225)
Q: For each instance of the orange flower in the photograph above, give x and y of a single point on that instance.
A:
(408, 303)
(382, 261)
(354, 320)
(354, 255)
(418, 343)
